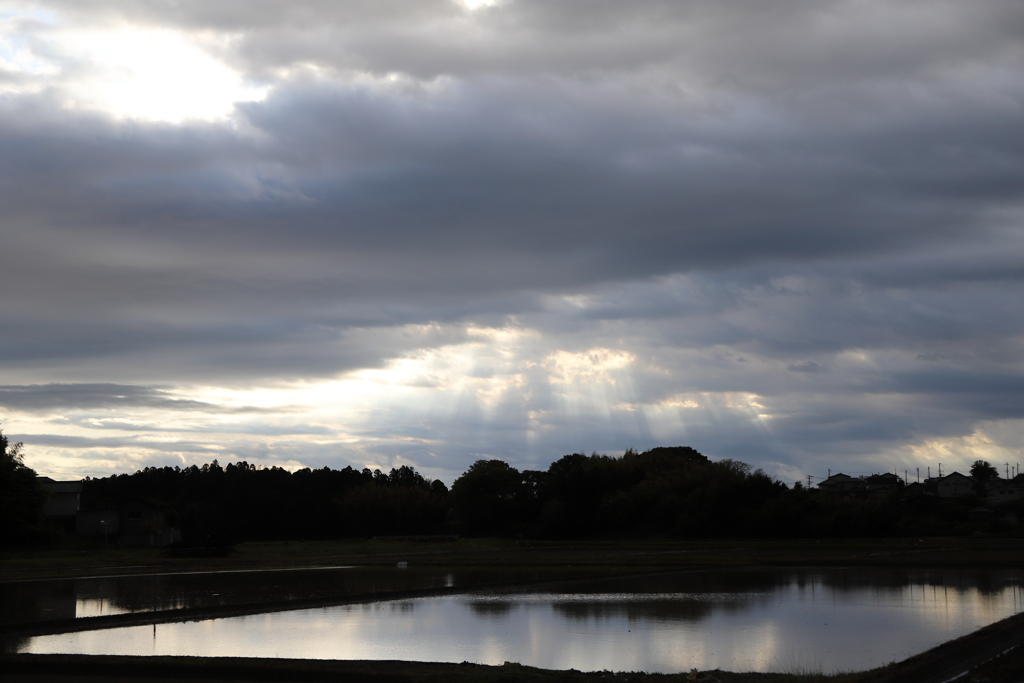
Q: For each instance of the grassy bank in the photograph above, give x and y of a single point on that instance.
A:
(78, 560)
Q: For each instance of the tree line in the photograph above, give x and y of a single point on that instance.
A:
(244, 502)
(660, 492)
(668, 492)
(673, 491)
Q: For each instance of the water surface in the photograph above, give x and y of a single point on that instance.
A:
(770, 620)
(46, 600)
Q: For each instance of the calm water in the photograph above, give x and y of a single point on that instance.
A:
(843, 619)
(29, 601)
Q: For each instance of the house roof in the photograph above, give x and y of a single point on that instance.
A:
(61, 486)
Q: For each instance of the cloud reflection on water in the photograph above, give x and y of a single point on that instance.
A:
(783, 618)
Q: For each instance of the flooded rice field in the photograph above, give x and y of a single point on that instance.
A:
(756, 620)
(29, 601)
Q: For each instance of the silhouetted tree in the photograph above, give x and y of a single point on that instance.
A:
(21, 497)
(982, 470)
(488, 498)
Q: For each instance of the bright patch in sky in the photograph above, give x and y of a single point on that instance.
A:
(128, 72)
(478, 4)
(156, 75)
(593, 365)
(15, 57)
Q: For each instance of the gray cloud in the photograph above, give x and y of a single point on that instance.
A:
(806, 366)
(817, 203)
(56, 397)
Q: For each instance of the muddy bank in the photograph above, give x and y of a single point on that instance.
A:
(76, 669)
(994, 648)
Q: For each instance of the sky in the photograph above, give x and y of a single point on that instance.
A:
(427, 232)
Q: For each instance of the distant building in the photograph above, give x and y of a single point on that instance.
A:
(954, 485)
(992, 483)
(62, 504)
(917, 490)
(145, 523)
(1012, 489)
(882, 485)
(97, 523)
(842, 484)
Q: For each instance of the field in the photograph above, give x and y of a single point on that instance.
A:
(602, 555)
(597, 557)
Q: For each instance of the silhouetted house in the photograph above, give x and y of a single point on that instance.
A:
(882, 485)
(954, 485)
(97, 523)
(62, 504)
(1012, 489)
(917, 490)
(992, 483)
(842, 484)
(145, 523)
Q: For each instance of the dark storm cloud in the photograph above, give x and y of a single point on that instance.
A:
(536, 161)
(377, 180)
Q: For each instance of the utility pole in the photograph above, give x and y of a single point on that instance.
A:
(1007, 469)
(929, 471)
(808, 482)
(940, 470)
(918, 475)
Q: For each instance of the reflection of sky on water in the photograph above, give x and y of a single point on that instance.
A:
(829, 619)
(29, 601)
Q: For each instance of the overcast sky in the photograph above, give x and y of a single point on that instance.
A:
(426, 232)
